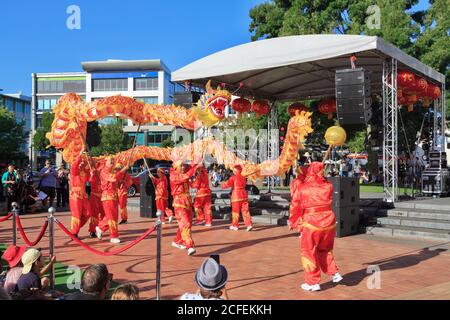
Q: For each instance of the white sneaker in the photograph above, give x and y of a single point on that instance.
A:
(337, 277)
(307, 287)
(178, 246)
(170, 219)
(98, 233)
(208, 225)
(163, 222)
(249, 228)
(234, 228)
(114, 240)
(191, 251)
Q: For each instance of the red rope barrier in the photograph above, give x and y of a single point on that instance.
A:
(6, 217)
(102, 253)
(24, 236)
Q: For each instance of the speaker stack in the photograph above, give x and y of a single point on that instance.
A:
(353, 102)
(345, 205)
(436, 178)
(147, 198)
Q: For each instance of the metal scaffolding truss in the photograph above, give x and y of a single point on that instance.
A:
(390, 132)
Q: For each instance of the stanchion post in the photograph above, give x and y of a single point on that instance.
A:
(14, 222)
(51, 211)
(158, 254)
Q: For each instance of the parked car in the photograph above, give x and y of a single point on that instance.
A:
(135, 188)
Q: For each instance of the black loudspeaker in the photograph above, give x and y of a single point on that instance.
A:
(186, 99)
(353, 103)
(147, 197)
(345, 205)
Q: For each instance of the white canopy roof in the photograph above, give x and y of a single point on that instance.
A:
(298, 67)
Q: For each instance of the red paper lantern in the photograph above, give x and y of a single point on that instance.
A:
(328, 107)
(296, 107)
(282, 129)
(260, 107)
(421, 87)
(281, 138)
(241, 105)
(406, 79)
(433, 92)
(410, 100)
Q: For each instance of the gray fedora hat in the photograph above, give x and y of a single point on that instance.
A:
(211, 275)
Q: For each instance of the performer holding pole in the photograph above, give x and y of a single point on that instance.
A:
(295, 212)
(78, 201)
(318, 228)
(95, 200)
(239, 199)
(182, 203)
(123, 197)
(162, 195)
(109, 184)
(202, 201)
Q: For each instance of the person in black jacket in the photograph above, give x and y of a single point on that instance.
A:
(95, 284)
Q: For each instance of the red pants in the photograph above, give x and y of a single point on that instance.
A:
(97, 213)
(236, 208)
(80, 214)
(316, 248)
(202, 208)
(110, 219)
(162, 205)
(184, 234)
(123, 206)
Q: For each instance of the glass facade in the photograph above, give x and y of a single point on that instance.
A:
(155, 138)
(110, 85)
(147, 100)
(61, 85)
(145, 84)
(46, 103)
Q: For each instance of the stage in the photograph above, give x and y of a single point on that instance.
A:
(262, 264)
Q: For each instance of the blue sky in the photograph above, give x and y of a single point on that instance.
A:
(35, 38)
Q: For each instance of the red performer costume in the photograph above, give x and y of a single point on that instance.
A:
(239, 199)
(109, 184)
(78, 201)
(182, 203)
(295, 212)
(202, 201)
(162, 195)
(124, 184)
(95, 201)
(318, 228)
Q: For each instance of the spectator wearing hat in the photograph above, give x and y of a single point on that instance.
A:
(95, 284)
(126, 292)
(211, 279)
(33, 268)
(13, 256)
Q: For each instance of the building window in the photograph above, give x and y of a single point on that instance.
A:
(110, 84)
(47, 103)
(155, 138)
(45, 85)
(147, 100)
(145, 84)
(9, 104)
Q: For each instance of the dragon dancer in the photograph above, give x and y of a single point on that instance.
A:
(95, 201)
(295, 212)
(162, 195)
(317, 228)
(109, 178)
(202, 201)
(182, 204)
(124, 184)
(78, 201)
(239, 199)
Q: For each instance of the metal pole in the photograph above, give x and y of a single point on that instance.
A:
(158, 255)
(14, 223)
(51, 211)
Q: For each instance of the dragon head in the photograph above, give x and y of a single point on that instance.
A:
(211, 106)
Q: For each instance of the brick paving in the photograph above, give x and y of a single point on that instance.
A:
(262, 264)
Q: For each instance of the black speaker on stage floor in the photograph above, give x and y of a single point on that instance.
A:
(345, 205)
(353, 103)
(147, 198)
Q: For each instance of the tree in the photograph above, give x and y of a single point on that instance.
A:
(40, 142)
(113, 140)
(12, 137)
(168, 143)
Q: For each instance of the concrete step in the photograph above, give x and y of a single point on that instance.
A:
(418, 213)
(408, 232)
(439, 206)
(265, 219)
(415, 222)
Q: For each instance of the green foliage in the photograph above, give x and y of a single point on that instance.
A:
(40, 142)
(113, 140)
(168, 143)
(357, 142)
(12, 137)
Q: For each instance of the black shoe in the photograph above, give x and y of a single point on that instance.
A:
(123, 222)
(92, 235)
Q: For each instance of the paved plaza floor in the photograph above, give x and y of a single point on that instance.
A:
(262, 264)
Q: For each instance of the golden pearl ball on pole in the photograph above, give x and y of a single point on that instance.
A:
(335, 136)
